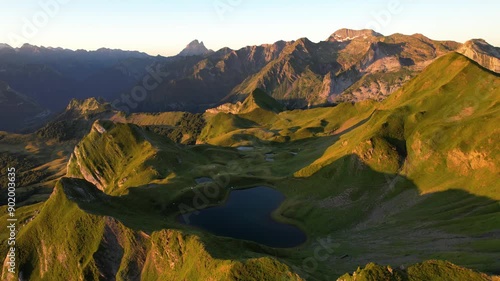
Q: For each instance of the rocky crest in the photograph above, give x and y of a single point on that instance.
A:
(345, 34)
(483, 53)
(195, 48)
(87, 106)
(353, 65)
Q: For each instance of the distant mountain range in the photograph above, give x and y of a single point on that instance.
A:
(409, 183)
(349, 66)
(53, 76)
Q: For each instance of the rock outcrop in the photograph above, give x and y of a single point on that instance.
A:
(345, 34)
(195, 48)
(483, 53)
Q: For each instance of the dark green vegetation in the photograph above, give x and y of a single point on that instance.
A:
(28, 176)
(429, 270)
(398, 182)
(39, 164)
(186, 130)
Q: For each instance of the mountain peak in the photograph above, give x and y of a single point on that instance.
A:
(5, 46)
(260, 99)
(483, 53)
(195, 48)
(27, 46)
(257, 99)
(87, 106)
(482, 45)
(346, 34)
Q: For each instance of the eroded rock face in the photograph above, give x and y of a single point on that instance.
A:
(111, 255)
(350, 66)
(483, 53)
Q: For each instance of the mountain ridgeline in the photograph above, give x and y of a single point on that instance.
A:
(384, 150)
(407, 186)
(349, 66)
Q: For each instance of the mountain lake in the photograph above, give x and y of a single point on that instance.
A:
(246, 214)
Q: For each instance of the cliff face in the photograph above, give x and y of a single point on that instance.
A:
(197, 83)
(351, 65)
(128, 160)
(483, 53)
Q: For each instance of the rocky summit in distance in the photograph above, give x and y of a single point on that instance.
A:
(348, 66)
(483, 53)
(345, 34)
(195, 48)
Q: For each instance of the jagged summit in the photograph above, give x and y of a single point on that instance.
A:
(28, 48)
(77, 102)
(482, 46)
(346, 34)
(195, 48)
(482, 52)
(90, 105)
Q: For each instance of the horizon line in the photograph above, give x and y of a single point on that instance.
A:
(280, 40)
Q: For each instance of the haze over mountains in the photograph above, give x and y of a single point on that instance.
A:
(403, 181)
(383, 148)
(350, 65)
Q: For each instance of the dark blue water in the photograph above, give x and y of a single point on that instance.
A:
(247, 215)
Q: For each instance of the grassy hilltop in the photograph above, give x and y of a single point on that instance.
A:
(411, 181)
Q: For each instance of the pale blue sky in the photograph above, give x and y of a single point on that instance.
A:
(165, 27)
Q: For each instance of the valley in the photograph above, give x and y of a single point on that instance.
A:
(409, 182)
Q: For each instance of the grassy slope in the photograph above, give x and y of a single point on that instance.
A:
(96, 247)
(127, 155)
(133, 157)
(443, 122)
(350, 171)
(39, 163)
(430, 146)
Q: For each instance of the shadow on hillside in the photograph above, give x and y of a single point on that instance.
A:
(347, 199)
